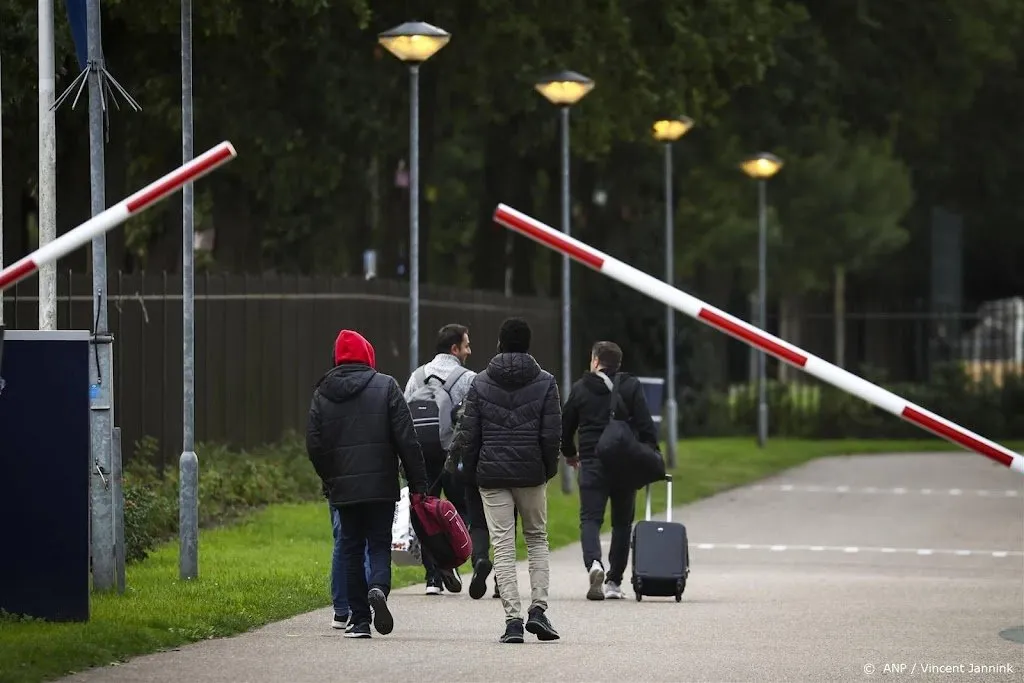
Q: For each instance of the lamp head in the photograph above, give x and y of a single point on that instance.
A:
(564, 88)
(414, 41)
(761, 166)
(670, 130)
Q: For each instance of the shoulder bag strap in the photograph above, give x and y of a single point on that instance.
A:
(449, 383)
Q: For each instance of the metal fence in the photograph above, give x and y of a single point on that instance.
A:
(968, 367)
(908, 345)
(261, 343)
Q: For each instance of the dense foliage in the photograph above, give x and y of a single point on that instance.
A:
(881, 111)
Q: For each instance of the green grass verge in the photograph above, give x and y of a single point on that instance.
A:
(275, 565)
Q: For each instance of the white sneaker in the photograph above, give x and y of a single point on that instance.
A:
(596, 591)
(612, 591)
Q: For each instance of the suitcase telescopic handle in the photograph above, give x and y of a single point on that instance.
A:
(668, 500)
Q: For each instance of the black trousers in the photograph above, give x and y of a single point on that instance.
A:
(593, 500)
(477, 524)
(366, 529)
(439, 480)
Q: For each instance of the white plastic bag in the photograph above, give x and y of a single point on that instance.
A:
(405, 547)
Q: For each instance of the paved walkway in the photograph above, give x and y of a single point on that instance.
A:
(845, 569)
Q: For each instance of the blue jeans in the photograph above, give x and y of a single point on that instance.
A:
(339, 566)
(366, 527)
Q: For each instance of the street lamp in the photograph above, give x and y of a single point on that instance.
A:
(414, 42)
(565, 89)
(668, 131)
(761, 167)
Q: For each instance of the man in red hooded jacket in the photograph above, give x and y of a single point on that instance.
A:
(359, 429)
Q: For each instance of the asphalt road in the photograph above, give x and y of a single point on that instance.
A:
(846, 569)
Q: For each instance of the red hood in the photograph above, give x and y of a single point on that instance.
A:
(352, 347)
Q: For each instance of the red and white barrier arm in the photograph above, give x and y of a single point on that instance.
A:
(117, 214)
(745, 332)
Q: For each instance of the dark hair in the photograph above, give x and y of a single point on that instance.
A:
(514, 336)
(608, 354)
(450, 335)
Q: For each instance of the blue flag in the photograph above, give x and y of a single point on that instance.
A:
(79, 34)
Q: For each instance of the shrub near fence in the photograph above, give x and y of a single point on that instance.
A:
(231, 485)
(261, 343)
(809, 409)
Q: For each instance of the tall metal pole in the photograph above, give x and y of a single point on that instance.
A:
(671, 434)
(414, 217)
(47, 166)
(566, 291)
(188, 464)
(102, 408)
(762, 266)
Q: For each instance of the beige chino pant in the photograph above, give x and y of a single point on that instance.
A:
(532, 503)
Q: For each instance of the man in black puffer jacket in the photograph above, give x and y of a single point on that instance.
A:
(588, 410)
(508, 441)
(358, 423)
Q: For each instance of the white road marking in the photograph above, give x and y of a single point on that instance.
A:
(859, 549)
(897, 490)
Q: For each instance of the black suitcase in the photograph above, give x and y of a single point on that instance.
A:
(661, 554)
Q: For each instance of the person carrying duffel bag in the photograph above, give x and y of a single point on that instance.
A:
(617, 455)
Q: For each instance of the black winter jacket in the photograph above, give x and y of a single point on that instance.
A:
(587, 411)
(358, 422)
(509, 434)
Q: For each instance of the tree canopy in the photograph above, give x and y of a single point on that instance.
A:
(880, 111)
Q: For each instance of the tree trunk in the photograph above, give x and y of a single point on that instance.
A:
(789, 330)
(504, 181)
(839, 310)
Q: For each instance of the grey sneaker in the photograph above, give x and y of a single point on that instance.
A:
(612, 591)
(596, 591)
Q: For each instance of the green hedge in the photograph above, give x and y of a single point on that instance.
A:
(232, 483)
(807, 409)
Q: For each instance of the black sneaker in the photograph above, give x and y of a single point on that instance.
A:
(539, 625)
(478, 584)
(382, 619)
(340, 621)
(451, 579)
(513, 631)
(358, 631)
(434, 586)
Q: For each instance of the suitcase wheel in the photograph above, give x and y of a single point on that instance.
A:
(680, 587)
(638, 588)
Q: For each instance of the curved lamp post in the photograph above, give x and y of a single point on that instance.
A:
(761, 167)
(414, 42)
(564, 89)
(668, 131)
